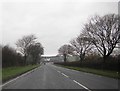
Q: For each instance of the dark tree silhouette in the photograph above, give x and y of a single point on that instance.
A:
(64, 50)
(24, 43)
(82, 46)
(10, 57)
(104, 33)
(35, 50)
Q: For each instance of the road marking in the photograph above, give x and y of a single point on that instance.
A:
(81, 85)
(18, 77)
(64, 75)
(58, 71)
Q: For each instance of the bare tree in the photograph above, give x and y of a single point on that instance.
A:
(82, 46)
(64, 50)
(104, 33)
(24, 43)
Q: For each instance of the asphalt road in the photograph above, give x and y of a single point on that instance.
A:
(53, 77)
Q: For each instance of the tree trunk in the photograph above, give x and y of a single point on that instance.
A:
(36, 59)
(82, 56)
(104, 61)
(65, 59)
(105, 58)
(25, 58)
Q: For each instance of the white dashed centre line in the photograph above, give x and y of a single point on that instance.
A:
(81, 85)
(64, 75)
(75, 81)
(58, 71)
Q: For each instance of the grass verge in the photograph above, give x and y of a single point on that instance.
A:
(0, 76)
(107, 73)
(12, 72)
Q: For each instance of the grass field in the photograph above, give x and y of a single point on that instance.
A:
(107, 73)
(11, 72)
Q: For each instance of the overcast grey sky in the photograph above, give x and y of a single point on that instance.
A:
(54, 23)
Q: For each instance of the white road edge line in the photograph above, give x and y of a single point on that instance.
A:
(18, 77)
(81, 85)
(64, 75)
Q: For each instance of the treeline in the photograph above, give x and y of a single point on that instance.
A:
(97, 45)
(94, 62)
(28, 51)
(10, 57)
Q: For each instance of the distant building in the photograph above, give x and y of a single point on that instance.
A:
(59, 58)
